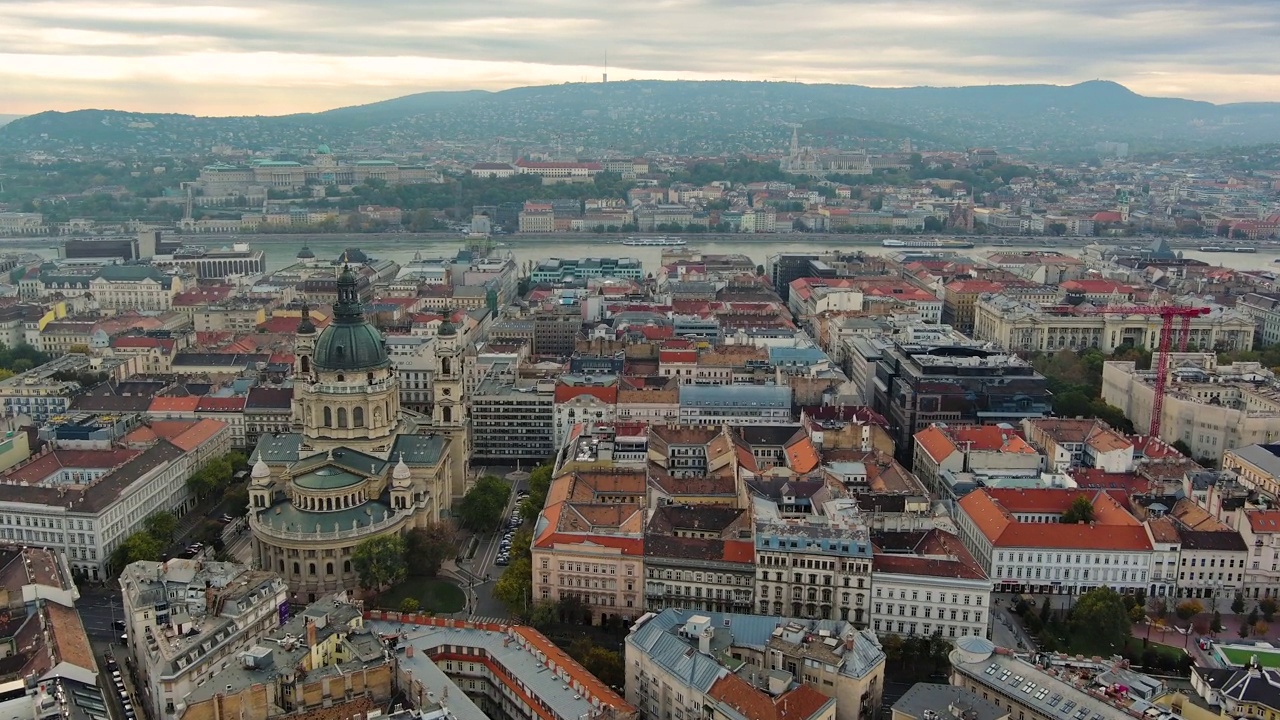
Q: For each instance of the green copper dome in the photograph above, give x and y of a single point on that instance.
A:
(350, 343)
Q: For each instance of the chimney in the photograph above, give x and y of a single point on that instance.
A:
(311, 633)
(408, 651)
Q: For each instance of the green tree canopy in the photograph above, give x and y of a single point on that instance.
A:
(162, 526)
(379, 561)
(1101, 614)
(1188, 609)
(426, 548)
(482, 507)
(515, 585)
(137, 547)
(1081, 511)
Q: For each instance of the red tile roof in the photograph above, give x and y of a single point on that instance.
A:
(1264, 521)
(221, 404)
(174, 404)
(50, 463)
(991, 511)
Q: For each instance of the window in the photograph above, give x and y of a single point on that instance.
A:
(342, 417)
(328, 417)
(357, 417)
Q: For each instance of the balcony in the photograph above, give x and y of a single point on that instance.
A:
(334, 389)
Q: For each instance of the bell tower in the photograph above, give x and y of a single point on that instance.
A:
(304, 343)
(449, 412)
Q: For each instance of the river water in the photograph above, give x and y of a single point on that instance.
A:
(281, 250)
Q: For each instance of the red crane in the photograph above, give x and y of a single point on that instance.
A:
(1166, 313)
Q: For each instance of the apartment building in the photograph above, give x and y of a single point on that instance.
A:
(1212, 408)
(1074, 443)
(699, 557)
(1212, 555)
(813, 566)
(931, 701)
(187, 620)
(918, 385)
(567, 270)
(1264, 308)
(590, 543)
(84, 503)
(1260, 531)
(653, 401)
(38, 394)
(734, 404)
(926, 582)
(1019, 539)
(324, 659)
(1024, 689)
(941, 449)
(512, 418)
(1256, 466)
(476, 671)
(583, 398)
(752, 667)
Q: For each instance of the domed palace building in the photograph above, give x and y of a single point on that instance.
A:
(358, 468)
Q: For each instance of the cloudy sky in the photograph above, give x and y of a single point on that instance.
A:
(267, 57)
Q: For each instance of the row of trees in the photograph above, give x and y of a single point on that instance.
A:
(383, 561)
(215, 477)
(484, 505)
(19, 358)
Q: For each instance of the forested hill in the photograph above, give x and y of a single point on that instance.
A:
(691, 118)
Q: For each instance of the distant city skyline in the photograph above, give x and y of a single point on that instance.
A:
(235, 57)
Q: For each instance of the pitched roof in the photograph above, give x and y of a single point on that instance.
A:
(165, 404)
(221, 404)
(992, 512)
(1264, 521)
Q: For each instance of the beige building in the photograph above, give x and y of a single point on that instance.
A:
(1260, 530)
(359, 468)
(1017, 325)
(813, 566)
(1209, 407)
(135, 288)
(590, 543)
(317, 663)
(186, 621)
(1257, 467)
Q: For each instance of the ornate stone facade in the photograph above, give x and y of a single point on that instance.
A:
(359, 468)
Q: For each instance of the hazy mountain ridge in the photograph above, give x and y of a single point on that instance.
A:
(685, 117)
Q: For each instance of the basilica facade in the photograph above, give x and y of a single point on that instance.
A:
(358, 466)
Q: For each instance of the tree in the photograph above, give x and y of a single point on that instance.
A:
(1252, 618)
(482, 507)
(1216, 624)
(1188, 609)
(426, 548)
(1045, 611)
(1237, 604)
(605, 664)
(1182, 447)
(544, 614)
(515, 585)
(1268, 608)
(162, 525)
(1081, 510)
(892, 647)
(1243, 630)
(137, 547)
(1100, 614)
(1260, 628)
(1057, 229)
(1159, 608)
(379, 561)
(1137, 613)
(409, 605)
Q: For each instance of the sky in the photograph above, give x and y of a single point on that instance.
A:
(267, 57)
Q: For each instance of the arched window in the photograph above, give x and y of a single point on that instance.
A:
(446, 414)
(328, 417)
(297, 569)
(306, 364)
(357, 417)
(281, 566)
(328, 503)
(311, 568)
(328, 569)
(346, 566)
(341, 377)
(342, 417)
(370, 378)
(444, 366)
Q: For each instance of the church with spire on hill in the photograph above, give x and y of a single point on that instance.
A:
(357, 466)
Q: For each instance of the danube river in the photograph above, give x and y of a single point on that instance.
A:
(281, 250)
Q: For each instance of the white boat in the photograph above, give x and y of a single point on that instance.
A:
(662, 241)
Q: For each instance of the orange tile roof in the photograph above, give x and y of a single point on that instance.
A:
(936, 443)
(1264, 521)
(991, 511)
(199, 433)
(802, 703)
(802, 456)
(739, 551)
(69, 639)
(591, 683)
(174, 404)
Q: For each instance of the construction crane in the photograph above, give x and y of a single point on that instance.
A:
(1166, 314)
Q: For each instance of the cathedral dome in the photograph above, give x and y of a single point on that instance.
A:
(350, 342)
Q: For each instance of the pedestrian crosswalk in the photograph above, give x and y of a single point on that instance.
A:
(487, 619)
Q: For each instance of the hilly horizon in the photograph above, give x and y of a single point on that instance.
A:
(688, 117)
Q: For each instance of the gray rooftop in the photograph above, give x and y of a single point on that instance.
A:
(948, 702)
(740, 396)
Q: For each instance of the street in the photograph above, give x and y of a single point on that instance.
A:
(481, 571)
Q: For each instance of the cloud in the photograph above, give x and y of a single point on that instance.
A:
(246, 56)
